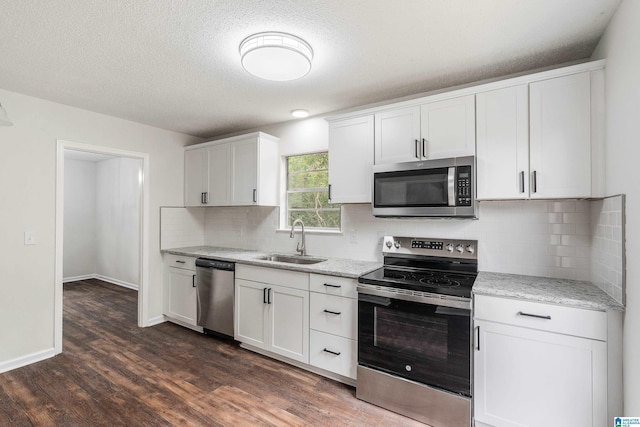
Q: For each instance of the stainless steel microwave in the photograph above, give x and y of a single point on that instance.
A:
(429, 188)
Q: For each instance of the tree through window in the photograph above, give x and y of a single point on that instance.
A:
(308, 192)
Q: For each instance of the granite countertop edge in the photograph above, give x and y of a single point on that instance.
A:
(573, 293)
(339, 267)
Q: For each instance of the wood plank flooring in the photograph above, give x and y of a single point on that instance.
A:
(112, 373)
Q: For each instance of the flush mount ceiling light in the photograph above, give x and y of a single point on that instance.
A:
(4, 119)
(276, 56)
(300, 114)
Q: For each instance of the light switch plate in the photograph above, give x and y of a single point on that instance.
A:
(29, 238)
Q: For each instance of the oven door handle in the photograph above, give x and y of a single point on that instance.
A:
(374, 299)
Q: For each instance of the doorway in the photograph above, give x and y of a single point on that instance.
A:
(114, 182)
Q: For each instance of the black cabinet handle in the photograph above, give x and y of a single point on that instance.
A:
(522, 181)
(335, 353)
(329, 193)
(264, 295)
(424, 148)
(328, 285)
(180, 262)
(478, 338)
(255, 195)
(193, 281)
(337, 313)
(269, 296)
(417, 149)
(535, 181)
(537, 316)
(202, 198)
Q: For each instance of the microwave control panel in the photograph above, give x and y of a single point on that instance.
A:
(464, 186)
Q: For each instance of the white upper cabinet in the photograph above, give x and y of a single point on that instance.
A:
(397, 136)
(196, 176)
(502, 118)
(560, 147)
(219, 174)
(350, 159)
(245, 172)
(433, 130)
(536, 140)
(234, 171)
(447, 128)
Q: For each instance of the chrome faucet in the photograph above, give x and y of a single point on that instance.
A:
(300, 248)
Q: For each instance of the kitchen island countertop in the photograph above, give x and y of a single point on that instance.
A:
(574, 293)
(332, 266)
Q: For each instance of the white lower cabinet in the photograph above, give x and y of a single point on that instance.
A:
(333, 353)
(272, 311)
(333, 316)
(180, 298)
(528, 373)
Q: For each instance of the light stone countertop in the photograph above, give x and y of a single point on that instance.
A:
(332, 266)
(564, 292)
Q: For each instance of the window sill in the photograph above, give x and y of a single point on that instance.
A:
(311, 231)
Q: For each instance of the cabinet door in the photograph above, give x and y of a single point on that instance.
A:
(397, 135)
(560, 145)
(195, 176)
(448, 128)
(250, 313)
(525, 377)
(244, 172)
(219, 174)
(289, 323)
(502, 118)
(350, 159)
(181, 293)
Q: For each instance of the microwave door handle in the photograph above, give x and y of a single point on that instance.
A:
(451, 181)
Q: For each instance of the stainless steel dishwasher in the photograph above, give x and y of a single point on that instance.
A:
(215, 284)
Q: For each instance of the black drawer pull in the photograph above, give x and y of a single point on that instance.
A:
(328, 285)
(537, 316)
(337, 313)
(335, 353)
(181, 262)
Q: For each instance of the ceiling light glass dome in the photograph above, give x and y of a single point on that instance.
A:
(276, 56)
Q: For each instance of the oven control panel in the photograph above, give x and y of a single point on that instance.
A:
(458, 248)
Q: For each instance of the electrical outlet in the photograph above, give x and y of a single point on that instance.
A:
(29, 238)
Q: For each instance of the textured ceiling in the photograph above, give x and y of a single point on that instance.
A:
(174, 64)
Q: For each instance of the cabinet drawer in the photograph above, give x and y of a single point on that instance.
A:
(332, 353)
(565, 320)
(273, 276)
(333, 285)
(180, 261)
(335, 315)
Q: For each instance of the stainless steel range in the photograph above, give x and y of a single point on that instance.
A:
(414, 330)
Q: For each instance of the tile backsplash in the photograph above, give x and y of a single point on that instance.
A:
(180, 227)
(608, 246)
(534, 237)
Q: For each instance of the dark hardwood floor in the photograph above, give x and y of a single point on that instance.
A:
(112, 373)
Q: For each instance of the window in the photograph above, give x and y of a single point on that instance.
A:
(308, 192)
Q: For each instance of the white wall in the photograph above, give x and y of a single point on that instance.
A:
(79, 218)
(621, 47)
(27, 186)
(118, 220)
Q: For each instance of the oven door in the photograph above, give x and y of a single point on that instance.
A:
(422, 342)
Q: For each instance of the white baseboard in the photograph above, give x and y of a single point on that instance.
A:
(76, 278)
(104, 279)
(156, 320)
(19, 362)
(117, 282)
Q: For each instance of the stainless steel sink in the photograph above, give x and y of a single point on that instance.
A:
(291, 259)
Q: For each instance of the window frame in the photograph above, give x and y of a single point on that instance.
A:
(285, 191)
